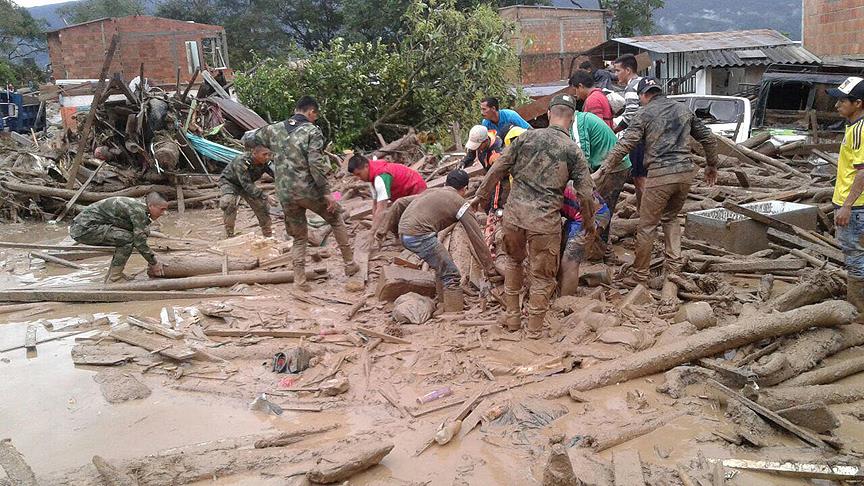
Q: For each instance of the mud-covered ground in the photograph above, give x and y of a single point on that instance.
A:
(58, 415)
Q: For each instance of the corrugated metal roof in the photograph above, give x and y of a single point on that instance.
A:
(703, 41)
(791, 54)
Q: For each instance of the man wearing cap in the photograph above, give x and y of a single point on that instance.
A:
(663, 125)
(849, 189)
(418, 219)
(541, 163)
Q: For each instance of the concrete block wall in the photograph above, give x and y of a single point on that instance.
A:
(834, 27)
(548, 38)
(77, 52)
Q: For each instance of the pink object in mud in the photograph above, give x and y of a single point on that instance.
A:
(435, 395)
(288, 381)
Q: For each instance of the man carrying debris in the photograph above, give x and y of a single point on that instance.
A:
(390, 182)
(238, 180)
(663, 125)
(500, 120)
(121, 222)
(301, 183)
(596, 140)
(849, 189)
(540, 162)
(421, 217)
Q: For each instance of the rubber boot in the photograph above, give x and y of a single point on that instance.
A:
(512, 317)
(351, 268)
(454, 300)
(855, 294)
(534, 329)
(300, 282)
(115, 274)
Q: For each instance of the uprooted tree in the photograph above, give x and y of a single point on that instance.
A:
(446, 62)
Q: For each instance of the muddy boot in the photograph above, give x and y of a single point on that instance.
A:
(351, 268)
(266, 231)
(300, 282)
(454, 300)
(512, 317)
(115, 274)
(855, 294)
(534, 329)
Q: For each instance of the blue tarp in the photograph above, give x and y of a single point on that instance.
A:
(212, 150)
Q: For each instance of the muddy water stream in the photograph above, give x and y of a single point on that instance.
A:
(57, 417)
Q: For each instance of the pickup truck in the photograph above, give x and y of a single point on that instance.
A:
(19, 113)
(724, 115)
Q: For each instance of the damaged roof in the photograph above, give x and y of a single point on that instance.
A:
(790, 54)
(706, 41)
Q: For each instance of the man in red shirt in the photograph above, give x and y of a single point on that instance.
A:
(594, 100)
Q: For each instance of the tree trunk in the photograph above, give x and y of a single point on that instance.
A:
(190, 266)
(787, 397)
(213, 281)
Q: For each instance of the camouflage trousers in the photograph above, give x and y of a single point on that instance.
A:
(228, 204)
(543, 251)
(105, 235)
(296, 225)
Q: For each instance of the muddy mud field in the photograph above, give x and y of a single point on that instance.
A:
(622, 390)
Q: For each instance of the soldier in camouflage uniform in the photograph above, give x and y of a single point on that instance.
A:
(665, 127)
(541, 162)
(121, 222)
(238, 180)
(301, 183)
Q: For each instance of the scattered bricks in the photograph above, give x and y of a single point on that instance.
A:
(395, 281)
(700, 314)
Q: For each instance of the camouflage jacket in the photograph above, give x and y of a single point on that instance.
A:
(540, 162)
(239, 176)
(122, 212)
(664, 125)
(301, 168)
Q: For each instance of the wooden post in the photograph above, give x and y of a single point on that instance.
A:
(91, 115)
(457, 136)
(80, 191)
(189, 86)
(181, 203)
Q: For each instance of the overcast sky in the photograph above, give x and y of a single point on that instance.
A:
(33, 3)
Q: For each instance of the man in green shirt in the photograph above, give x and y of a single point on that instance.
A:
(596, 139)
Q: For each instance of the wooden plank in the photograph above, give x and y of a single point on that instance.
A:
(799, 469)
(386, 337)
(37, 246)
(759, 266)
(181, 203)
(128, 335)
(84, 136)
(803, 434)
(157, 328)
(30, 338)
(795, 242)
(52, 338)
(54, 259)
(772, 222)
(95, 295)
(80, 191)
(276, 333)
(628, 468)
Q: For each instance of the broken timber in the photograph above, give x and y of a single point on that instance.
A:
(54, 259)
(799, 470)
(828, 374)
(215, 281)
(60, 295)
(128, 335)
(13, 463)
(276, 333)
(759, 266)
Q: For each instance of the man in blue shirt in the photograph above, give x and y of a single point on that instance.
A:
(500, 120)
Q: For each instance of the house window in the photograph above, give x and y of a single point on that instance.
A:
(192, 59)
(213, 52)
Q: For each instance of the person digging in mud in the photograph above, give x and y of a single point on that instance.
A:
(238, 180)
(418, 219)
(301, 183)
(541, 162)
(849, 189)
(578, 244)
(664, 126)
(390, 182)
(121, 222)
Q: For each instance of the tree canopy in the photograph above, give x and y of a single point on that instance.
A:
(631, 17)
(87, 10)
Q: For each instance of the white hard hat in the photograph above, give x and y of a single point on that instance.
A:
(476, 136)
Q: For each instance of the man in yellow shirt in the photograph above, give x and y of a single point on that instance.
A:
(848, 199)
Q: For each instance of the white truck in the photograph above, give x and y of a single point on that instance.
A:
(728, 116)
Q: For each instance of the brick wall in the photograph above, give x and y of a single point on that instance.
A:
(78, 52)
(548, 39)
(834, 27)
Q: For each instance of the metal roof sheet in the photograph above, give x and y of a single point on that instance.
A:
(791, 54)
(703, 41)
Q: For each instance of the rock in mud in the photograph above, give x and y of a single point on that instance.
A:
(559, 470)
(117, 386)
(413, 308)
(339, 467)
(677, 379)
(13, 463)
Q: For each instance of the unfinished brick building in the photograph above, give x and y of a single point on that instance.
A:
(834, 28)
(548, 39)
(163, 45)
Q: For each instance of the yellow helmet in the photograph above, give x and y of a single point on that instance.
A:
(511, 134)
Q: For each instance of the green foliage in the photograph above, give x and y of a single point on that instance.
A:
(87, 10)
(20, 34)
(446, 62)
(632, 17)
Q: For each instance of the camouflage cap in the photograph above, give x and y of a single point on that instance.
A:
(563, 99)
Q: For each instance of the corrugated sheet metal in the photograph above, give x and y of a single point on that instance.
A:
(791, 54)
(701, 41)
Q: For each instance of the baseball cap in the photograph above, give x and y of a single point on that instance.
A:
(476, 136)
(853, 87)
(646, 84)
(563, 99)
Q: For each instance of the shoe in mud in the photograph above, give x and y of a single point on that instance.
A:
(351, 268)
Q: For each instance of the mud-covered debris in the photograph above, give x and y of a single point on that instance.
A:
(339, 467)
(559, 469)
(412, 308)
(117, 386)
